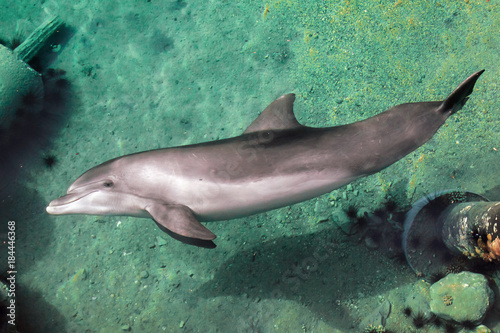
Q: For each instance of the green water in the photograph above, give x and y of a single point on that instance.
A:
(154, 74)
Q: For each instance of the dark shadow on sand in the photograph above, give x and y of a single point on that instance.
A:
(319, 271)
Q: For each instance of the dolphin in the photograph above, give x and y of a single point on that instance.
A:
(276, 162)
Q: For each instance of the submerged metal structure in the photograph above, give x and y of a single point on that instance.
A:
(451, 230)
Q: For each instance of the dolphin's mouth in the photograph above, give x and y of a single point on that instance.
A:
(65, 200)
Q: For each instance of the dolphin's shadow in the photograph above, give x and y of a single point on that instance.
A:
(322, 271)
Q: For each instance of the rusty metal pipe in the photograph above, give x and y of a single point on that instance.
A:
(473, 229)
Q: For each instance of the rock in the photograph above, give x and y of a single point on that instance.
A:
(482, 329)
(321, 210)
(80, 275)
(342, 221)
(377, 317)
(418, 300)
(371, 243)
(160, 241)
(461, 297)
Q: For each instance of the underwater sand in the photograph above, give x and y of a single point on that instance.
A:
(151, 74)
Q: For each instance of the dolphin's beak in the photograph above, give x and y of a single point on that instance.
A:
(59, 206)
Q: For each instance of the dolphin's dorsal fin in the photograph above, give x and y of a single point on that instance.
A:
(277, 116)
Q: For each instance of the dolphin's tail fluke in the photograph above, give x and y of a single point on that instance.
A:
(459, 96)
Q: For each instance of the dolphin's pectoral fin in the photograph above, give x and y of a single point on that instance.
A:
(180, 223)
(188, 240)
(277, 116)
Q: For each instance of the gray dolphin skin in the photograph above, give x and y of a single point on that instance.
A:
(276, 162)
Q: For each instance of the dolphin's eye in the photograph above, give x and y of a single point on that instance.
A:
(108, 183)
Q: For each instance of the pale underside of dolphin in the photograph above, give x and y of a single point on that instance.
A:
(276, 162)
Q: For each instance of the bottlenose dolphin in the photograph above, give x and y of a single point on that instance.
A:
(276, 162)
